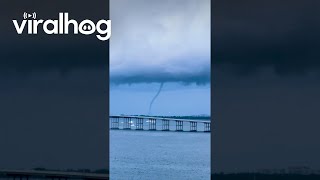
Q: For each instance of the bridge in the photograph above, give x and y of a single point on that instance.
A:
(159, 124)
(53, 175)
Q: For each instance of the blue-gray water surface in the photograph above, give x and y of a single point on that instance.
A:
(156, 155)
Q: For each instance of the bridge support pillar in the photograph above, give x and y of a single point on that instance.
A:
(207, 127)
(115, 123)
(139, 124)
(193, 126)
(126, 123)
(152, 124)
(179, 125)
(165, 125)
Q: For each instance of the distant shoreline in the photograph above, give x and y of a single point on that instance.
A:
(193, 117)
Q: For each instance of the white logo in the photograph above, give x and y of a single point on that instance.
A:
(27, 15)
(61, 26)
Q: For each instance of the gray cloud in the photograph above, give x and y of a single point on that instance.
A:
(283, 35)
(167, 41)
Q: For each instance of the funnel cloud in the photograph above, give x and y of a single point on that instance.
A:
(154, 98)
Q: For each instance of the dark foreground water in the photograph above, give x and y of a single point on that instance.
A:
(156, 155)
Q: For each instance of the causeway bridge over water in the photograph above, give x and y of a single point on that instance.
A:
(159, 124)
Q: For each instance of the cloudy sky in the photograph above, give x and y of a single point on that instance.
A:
(266, 84)
(53, 95)
(157, 42)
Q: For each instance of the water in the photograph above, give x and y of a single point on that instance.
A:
(156, 155)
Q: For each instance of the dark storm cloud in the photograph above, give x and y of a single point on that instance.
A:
(252, 34)
(61, 57)
(263, 120)
(48, 121)
(167, 41)
(200, 78)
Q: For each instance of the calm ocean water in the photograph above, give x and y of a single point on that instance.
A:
(156, 155)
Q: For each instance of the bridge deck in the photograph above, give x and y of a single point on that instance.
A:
(159, 123)
(161, 118)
